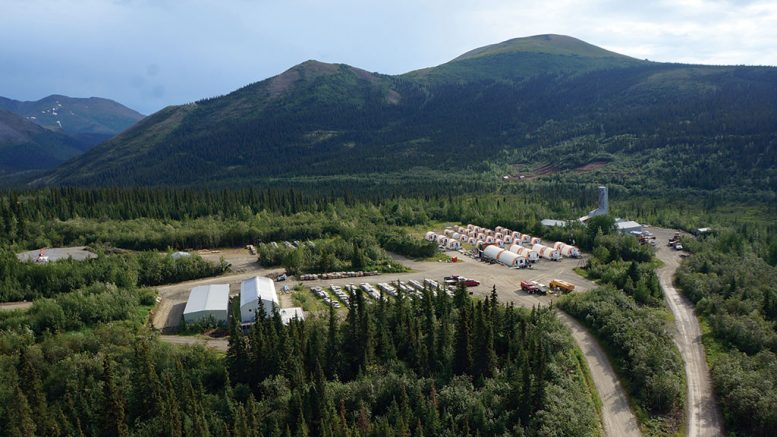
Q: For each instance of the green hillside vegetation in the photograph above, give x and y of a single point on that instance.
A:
(581, 113)
(25, 146)
(89, 121)
(734, 295)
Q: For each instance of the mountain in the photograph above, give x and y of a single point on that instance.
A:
(89, 120)
(540, 106)
(25, 146)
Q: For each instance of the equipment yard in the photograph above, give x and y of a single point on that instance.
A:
(173, 298)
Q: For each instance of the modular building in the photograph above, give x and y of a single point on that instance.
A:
(628, 226)
(207, 301)
(251, 292)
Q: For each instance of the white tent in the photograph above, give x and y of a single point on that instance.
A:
(251, 291)
(207, 301)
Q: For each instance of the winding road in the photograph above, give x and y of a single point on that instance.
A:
(617, 416)
(702, 413)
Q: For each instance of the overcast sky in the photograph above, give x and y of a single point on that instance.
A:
(148, 54)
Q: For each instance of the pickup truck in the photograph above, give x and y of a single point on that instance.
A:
(533, 287)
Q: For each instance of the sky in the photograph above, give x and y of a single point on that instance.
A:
(148, 54)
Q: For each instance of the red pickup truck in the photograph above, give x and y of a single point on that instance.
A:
(533, 287)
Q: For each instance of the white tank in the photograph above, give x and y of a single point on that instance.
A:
(535, 240)
(547, 252)
(430, 236)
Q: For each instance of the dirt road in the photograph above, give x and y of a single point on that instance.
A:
(617, 416)
(701, 411)
(15, 306)
(219, 344)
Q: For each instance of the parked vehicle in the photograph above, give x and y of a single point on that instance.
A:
(564, 286)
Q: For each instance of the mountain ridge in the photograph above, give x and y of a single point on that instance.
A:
(89, 120)
(510, 99)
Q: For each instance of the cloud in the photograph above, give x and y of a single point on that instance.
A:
(151, 53)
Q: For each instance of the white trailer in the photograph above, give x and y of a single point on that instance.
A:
(547, 252)
(525, 252)
(567, 250)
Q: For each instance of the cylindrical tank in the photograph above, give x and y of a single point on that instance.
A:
(535, 240)
(547, 252)
(430, 236)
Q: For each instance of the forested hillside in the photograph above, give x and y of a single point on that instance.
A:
(25, 146)
(533, 106)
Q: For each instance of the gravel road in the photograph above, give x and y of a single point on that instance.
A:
(617, 416)
(702, 413)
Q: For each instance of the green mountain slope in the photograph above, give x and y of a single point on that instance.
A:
(88, 120)
(26, 146)
(543, 104)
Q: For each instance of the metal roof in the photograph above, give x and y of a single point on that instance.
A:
(208, 298)
(289, 314)
(627, 224)
(551, 222)
(258, 287)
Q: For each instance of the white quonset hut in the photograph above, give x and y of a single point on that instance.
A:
(207, 301)
(255, 289)
(289, 314)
